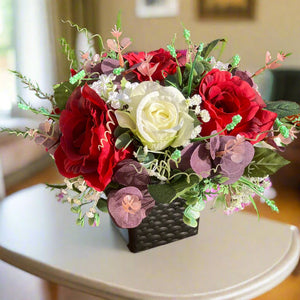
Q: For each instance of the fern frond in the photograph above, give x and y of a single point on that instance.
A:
(33, 87)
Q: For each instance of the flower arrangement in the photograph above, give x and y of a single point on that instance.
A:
(132, 129)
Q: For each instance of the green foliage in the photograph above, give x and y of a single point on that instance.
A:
(62, 92)
(119, 20)
(69, 52)
(163, 193)
(88, 36)
(33, 87)
(102, 205)
(167, 192)
(191, 77)
(16, 132)
(265, 162)
(76, 209)
(123, 140)
(80, 221)
(211, 46)
(254, 205)
(41, 111)
(144, 157)
(283, 108)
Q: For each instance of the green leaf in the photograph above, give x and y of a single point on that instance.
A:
(91, 221)
(75, 209)
(62, 92)
(82, 222)
(220, 200)
(199, 68)
(265, 162)
(119, 130)
(167, 192)
(283, 108)
(190, 222)
(222, 179)
(119, 20)
(254, 205)
(185, 184)
(102, 205)
(97, 219)
(163, 193)
(210, 47)
(190, 199)
(123, 140)
(143, 157)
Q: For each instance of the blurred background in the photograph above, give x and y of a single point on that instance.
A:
(29, 42)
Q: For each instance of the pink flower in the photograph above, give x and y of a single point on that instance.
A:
(129, 206)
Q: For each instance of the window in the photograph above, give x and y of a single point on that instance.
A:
(7, 58)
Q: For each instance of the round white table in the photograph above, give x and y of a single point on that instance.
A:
(232, 257)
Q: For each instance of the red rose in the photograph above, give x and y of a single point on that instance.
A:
(166, 63)
(87, 143)
(225, 96)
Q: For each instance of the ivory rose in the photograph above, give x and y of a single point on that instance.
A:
(158, 116)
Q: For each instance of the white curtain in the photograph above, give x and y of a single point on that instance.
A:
(35, 53)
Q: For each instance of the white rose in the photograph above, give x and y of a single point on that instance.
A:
(158, 116)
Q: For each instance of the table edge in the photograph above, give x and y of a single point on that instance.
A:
(253, 287)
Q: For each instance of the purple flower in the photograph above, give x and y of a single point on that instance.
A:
(246, 76)
(225, 155)
(196, 156)
(48, 136)
(231, 155)
(129, 172)
(129, 206)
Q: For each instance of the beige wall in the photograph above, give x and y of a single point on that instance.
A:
(276, 27)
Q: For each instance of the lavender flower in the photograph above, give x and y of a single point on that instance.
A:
(226, 155)
(129, 172)
(48, 135)
(129, 206)
(232, 155)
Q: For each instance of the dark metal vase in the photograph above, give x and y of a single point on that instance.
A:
(163, 225)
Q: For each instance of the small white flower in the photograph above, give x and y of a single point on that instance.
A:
(218, 65)
(77, 201)
(93, 210)
(104, 85)
(81, 188)
(196, 131)
(89, 214)
(146, 150)
(68, 183)
(114, 100)
(204, 114)
(277, 141)
(197, 110)
(157, 175)
(195, 100)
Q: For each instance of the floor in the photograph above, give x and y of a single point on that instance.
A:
(18, 285)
